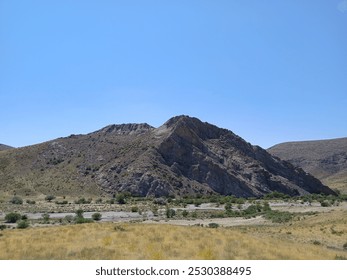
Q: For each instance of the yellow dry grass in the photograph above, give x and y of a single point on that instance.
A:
(154, 241)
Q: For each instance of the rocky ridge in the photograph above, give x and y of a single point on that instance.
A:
(5, 147)
(182, 157)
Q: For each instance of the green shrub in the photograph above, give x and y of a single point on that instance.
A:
(227, 206)
(16, 200)
(345, 246)
(185, 213)
(64, 202)
(253, 209)
(134, 209)
(82, 200)
(45, 217)
(79, 219)
(79, 213)
(111, 201)
(83, 220)
(2, 227)
(69, 218)
(96, 216)
(49, 197)
(170, 213)
(325, 203)
(12, 217)
(22, 224)
(213, 225)
(121, 198)
(278, 216)
(276, 195)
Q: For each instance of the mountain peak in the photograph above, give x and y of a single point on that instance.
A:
(181, 119)
(125, 129)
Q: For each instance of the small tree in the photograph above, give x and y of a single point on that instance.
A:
(12, 217)
(121, 198)
(79, 213)
(49, 197)
(213, 225)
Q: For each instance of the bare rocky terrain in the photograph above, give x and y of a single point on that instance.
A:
(184, 156)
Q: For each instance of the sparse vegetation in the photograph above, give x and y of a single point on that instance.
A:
(16, 200)
(278, 216)
(140, 241)
(82, 200)
(205, 209)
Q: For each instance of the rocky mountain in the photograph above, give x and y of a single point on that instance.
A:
(325, 159)
(5, 147)
(184, 156)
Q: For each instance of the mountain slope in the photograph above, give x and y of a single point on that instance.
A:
(325, 159)
(184, 156)
(5, 147)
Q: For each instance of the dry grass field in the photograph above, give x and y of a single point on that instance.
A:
(321, 236)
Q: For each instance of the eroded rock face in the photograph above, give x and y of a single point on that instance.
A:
(183, 156)
(227, 164)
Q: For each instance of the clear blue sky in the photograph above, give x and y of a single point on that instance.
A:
(270, 71)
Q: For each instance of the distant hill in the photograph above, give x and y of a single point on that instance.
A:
(5, 147)
(184, 156)
(325, 159)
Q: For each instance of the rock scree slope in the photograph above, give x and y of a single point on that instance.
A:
(184, 156)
